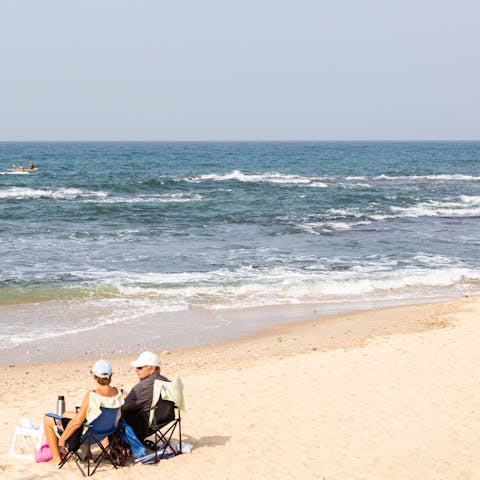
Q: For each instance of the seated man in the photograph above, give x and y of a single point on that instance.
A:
(139, 400)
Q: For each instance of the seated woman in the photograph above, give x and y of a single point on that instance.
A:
(103, 395)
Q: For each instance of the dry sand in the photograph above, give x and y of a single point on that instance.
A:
(384, 394)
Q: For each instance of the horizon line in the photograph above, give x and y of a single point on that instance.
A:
(236, 141)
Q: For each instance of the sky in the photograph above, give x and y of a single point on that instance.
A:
(239, 70)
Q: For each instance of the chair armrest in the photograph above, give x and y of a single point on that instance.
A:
(59, 418)
(53, 415)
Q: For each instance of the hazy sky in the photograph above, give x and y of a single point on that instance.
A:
(249, 69)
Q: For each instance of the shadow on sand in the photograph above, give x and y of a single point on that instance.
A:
(211, 441)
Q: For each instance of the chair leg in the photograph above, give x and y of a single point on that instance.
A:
(90, 461)
(166, 438)
(77, 459)
(74, 456)
(179, 432)
(104, 454)
(64, 460)
(89, 454)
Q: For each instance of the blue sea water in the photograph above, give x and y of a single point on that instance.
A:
(105, 233)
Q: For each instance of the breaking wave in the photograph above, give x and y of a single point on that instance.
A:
(463, 206)
(441, 177)
(269, 177)
(20, 193)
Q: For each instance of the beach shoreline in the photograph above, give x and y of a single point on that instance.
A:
(381, 393)
(175, 330)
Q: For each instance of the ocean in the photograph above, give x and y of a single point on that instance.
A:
(189, 238)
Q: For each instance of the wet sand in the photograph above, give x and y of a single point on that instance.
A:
(70, 339)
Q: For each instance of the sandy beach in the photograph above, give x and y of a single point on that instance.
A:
(388, 393)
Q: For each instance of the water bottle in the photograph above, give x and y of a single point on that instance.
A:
(60, 405)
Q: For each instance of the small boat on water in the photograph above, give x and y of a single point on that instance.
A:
(25, 171)
(21, 169)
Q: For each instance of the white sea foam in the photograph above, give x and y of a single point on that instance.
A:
(162, 198)
(438, 209)
(461, 206)
(325, 181)
(444, 177)
(334, 219)
(325, 227)
(360, 181)
(345, 219)
(470, 199)
(341, 211)
(314, 228)
(282, 284)
(268, 177)
(21, 193)
(151, 294)
(358, 185)
(433, 260)
(340, 225)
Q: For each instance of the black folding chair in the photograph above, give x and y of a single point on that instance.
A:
(163, 420)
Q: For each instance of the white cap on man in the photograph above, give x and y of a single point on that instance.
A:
(146, 359)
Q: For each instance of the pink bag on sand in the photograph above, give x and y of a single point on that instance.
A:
(43, 454)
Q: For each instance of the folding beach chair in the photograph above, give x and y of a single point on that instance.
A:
(164, 418)
(94, 433)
